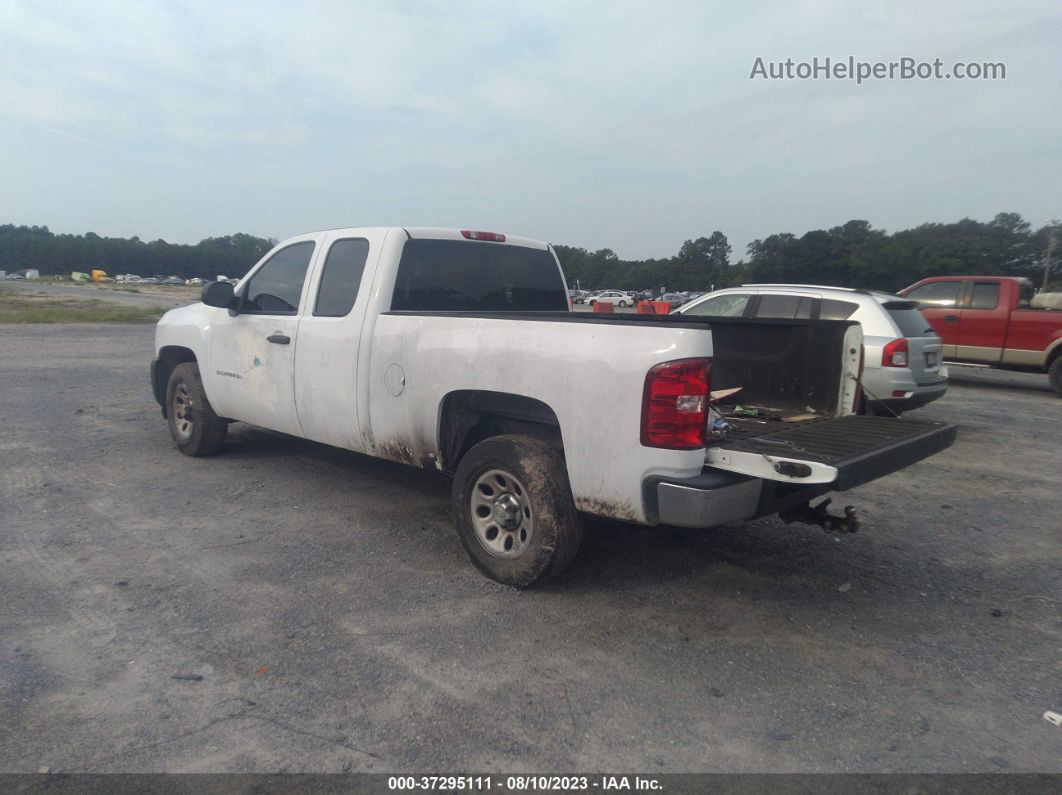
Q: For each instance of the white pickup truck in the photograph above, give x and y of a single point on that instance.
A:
(458, 351)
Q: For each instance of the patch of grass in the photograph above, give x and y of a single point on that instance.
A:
(17, 307)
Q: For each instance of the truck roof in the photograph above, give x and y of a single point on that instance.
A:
(441, 233)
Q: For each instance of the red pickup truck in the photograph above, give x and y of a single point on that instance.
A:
(990, 320)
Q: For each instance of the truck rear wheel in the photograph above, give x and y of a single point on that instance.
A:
(195, 428)
(1054, 375)
(514, 511)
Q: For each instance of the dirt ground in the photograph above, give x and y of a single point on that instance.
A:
(320, 614)
(142, 295)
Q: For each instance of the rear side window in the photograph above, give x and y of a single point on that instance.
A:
(276, 287)
(341, 277)
(784, 307)
(936, 293)
(910, 321)
(836, 310)
(457, 276)
(727, 305)
(1026, 293)
(985, 295)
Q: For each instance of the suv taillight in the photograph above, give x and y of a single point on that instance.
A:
(895, 353)
(675, 404)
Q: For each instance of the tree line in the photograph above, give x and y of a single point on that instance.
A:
(852, 255)
(60, 254)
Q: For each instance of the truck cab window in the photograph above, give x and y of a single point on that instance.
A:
(341, 277)
(936, 294)
(458, 276)
(1026, 291)
(276, 287)
(985, 295)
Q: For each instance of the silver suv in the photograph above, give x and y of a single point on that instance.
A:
(903, 368)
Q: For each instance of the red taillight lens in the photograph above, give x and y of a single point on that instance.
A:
(675, 404)
(895, 353)
(494, 237)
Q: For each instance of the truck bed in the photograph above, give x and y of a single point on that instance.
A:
(787, 367)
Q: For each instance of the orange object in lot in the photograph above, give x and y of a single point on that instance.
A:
(662, 307)
(602, 306)
(645, 308)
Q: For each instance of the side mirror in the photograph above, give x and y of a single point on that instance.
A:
(219, 294)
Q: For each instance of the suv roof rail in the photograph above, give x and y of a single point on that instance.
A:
(810, 286)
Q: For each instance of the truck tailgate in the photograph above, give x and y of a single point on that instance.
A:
(845, 451)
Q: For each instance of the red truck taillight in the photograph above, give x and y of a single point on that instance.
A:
(895, 353)
(675, 404)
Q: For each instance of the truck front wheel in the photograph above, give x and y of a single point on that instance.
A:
(514, 511)
(195, 428)
(1054, 375)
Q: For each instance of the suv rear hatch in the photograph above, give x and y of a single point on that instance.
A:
(924, 347)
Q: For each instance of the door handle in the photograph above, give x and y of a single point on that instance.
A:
(951, 318)
(279, 339)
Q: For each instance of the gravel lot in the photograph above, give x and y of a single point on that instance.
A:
(327, 605)
(146, 295)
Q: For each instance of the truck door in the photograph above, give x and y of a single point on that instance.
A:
(939, 302)
(326, 356)
(983, 324)
(252, 351)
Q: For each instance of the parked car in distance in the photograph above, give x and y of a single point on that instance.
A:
(578, 296)
(991, 320)
(614, 297)
(675, 300)
(904, 366)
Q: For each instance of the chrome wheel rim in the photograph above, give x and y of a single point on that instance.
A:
(183, 411)
(501, 514)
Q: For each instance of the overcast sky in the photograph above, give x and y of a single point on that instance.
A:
(628, 125)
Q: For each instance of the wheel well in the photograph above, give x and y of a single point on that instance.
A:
(1055, 353)
(169, 357)
(467, 417)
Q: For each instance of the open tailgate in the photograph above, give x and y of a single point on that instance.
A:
(845, 451)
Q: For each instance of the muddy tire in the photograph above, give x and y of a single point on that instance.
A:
(513, 509)
(195, 428)
(1054, 375)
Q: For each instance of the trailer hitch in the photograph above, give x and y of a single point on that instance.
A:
(821, 516)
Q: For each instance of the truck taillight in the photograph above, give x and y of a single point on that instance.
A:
(675, 404)
(494, 237)
(895, 353)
